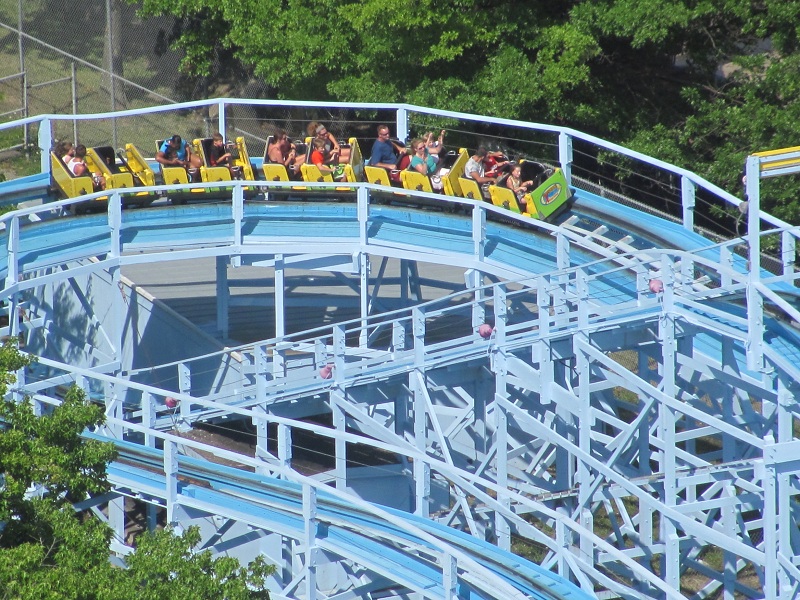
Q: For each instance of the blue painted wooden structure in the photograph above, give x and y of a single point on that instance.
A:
(617, 401)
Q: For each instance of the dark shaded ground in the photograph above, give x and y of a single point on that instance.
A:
(311, 454)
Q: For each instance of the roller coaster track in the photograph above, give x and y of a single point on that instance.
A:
(623, 406)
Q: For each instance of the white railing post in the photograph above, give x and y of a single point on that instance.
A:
(565, 155)
(362, 199)
(45, 141)
(755, 302)
(478, 232)
(238, 216)
(402, 124)
(687, 202)
(12, 250)
(221, 119)
(115, 224)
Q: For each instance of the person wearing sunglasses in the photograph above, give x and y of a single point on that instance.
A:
(421, 160)
(384, 151)
(333, 149)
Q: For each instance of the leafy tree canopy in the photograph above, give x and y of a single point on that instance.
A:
(47, 551)
(701, 83)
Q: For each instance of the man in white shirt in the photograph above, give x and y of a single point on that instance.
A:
(474, 169)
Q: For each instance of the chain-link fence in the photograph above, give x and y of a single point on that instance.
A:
(101, 57)
(104, 57)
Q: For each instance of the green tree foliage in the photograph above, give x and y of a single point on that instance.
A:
(47, 551)
(701, 83)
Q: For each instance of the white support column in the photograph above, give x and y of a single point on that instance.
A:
(585, 419)
(171, 472)
(562, 251)
(500, 369)
(402, 401)
(223, 296)
(769, 477)
(785, 492)
(116, 517)
(149, 418)
(563, 542)
(500, 314)
(262, 438)
(755, 303)
(261, 365)
(310, 518)
(645, 452)
(729, 526)
(645, 520)
(363, 272)
(119, 304)
(339, 353)
(666, 428)
(237, 207)
(404, 286)
(284, 445)
(726, 262)
(449, 577)
(113, 410)
(398, 337)
(416, 379)
(474, 281)
(280, 316)
(185, 387)
(418, 332)
(422, 472)
(285, 564)
(340, 447)
(541, 349)
(474, 277)
(784, 526)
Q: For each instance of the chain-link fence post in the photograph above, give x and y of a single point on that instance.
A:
(75, 102)
(24, 79)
